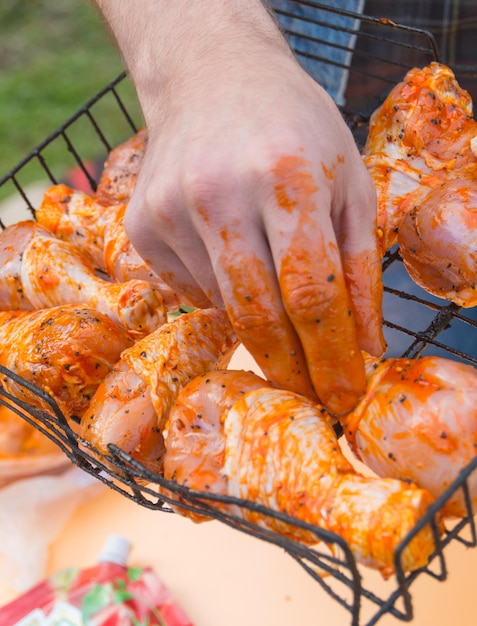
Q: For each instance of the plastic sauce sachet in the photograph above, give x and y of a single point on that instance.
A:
(109, 593)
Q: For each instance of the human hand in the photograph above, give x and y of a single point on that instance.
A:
(252, 195)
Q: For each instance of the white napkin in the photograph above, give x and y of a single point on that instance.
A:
(33, 511)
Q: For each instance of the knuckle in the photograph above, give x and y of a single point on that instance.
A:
(204, 185)
(151, 205)
(249, 324)
(307, 300)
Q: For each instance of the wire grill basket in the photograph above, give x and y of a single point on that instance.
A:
(376, 54)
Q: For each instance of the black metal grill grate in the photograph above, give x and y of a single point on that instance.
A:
(378, 55)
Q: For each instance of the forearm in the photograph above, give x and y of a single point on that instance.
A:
(170, 42)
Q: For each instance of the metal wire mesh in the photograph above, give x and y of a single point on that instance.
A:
(377, 54)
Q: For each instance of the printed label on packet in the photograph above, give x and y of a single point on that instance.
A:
(63, 614)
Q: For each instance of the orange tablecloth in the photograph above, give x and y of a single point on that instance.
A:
(225, 578)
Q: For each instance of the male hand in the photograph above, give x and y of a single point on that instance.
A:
(252, 195)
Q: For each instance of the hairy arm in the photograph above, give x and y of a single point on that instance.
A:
(167, 44)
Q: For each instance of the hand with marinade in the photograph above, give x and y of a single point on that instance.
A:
(252, 194)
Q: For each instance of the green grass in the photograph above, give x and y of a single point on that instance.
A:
(54, 56)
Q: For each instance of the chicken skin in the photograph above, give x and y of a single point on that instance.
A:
(131, 405)
(278, 449)
(420, 137)
(120, 171)
(74, 216)
(24, 449)
(418, 422)
(37, 270)
(98, 233)
(65, 351)
(438, 242)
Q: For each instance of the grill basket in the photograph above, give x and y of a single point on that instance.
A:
(376, 53)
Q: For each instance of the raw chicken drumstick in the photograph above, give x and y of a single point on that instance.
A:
(438, 242)
(421, 136)
(66, 351)
(71, 215)
(98, 233)
(229, 433)
(131, 405)
(37, 271)
(120, 171)
(24, 449)
(418, 421)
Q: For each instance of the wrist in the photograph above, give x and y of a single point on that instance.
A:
(167, 45)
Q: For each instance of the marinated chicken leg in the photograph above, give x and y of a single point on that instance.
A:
(120, 171)
(131, 405)
(98, 233)
(37, 270)
(438, 242)
(65, 351)
(278, 449)
(123, 263)
(75, 217)
(418, 422)
(421, 136)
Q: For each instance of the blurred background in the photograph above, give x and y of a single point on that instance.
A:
(54, 56)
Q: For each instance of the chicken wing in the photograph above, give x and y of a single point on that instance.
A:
(65, 351)
(418, 421)
(421, 136)
(37, 270)
(278, 449)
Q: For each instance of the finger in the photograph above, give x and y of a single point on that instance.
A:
(246, 276)
(312, 284)
(164, 261)
(361, 259)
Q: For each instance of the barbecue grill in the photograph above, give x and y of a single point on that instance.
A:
(376, 54)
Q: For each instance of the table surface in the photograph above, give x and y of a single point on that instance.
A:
(225, 578)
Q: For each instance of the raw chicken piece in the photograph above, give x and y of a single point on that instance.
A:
(75, 217)
(120, 171)
(13, 241)
(279, 450)
(24, 450)
(20, 439)
(37, 270)
(421, 136)
(98, 233)
(123, 263)
(195, 440)
(418, 421)
(131, 405)
(66, 351)
(438, 242)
